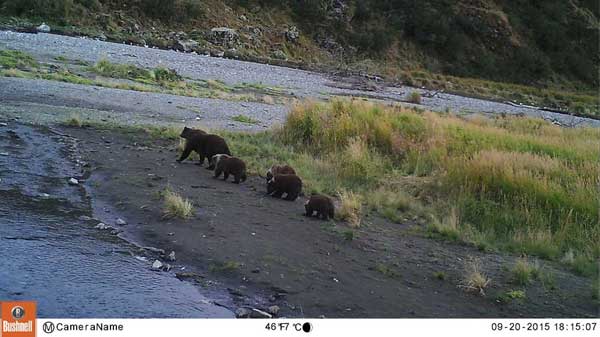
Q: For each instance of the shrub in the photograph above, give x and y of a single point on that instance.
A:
(523, 272)
(475, 279)
(350, 209)
(176, 206)
(166, 75)
(414, 97)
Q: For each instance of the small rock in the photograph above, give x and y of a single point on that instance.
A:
(255, 271)
(256, 313)
(171, 256)
(157, 265)
(273, 310)
(3, 124)
(102, 226)
(121, 222)
(242, 313)
(44, 195)
(85, 218)
(73, 181)
(292, 34)
(43, 28)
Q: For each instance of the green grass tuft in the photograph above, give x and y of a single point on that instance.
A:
(14, 59)
(245, 119)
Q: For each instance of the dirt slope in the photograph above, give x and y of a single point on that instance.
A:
(266, 252)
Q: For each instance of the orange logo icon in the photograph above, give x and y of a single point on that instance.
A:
(18, 319)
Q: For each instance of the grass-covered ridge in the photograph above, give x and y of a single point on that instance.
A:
(516, 184)
(519, 183)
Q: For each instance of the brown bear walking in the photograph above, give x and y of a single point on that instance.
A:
(206, 145)
(290, 184)
(320, 204)
(226, 165)
(279, 169)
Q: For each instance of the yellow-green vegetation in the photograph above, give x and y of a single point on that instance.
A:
(176, 206)
(440, 275)
(414, 97)
(512, 295)
(523, 272)
(244, 119)
(75, 121)
(475, 279)
(392, 202)
(519, 184)
(227, 266)
(350, 208)
(596, 289)
(348, 235)
(386, 270)
(14, 59)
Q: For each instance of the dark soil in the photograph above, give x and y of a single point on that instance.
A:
(266, 252)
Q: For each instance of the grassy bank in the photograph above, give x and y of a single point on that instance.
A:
(518, 184)
(514, 184)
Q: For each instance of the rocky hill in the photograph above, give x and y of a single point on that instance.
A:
(551, 42)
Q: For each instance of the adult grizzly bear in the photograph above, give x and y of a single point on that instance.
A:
(320, 204)
(279, 169)
(226, 165)
(290, 184)
(206, 145)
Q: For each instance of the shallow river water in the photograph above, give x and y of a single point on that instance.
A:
(50, 255)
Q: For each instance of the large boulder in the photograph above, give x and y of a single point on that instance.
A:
(223, 36)
(186, 45)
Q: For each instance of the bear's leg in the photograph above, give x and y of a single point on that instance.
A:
(186, 152)
(218, 172)
(308, 211)
(201, 160)
(225, 175)
(236, 179)
(277, 194)
(291, 196)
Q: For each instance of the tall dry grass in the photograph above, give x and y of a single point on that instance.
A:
(516, 183)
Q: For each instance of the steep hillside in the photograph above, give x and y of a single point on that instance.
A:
(541, 43)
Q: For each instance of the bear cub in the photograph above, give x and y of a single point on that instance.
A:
(226, 165)
(290, 184)
(279, 169)
(320, 204)
(206, 145)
